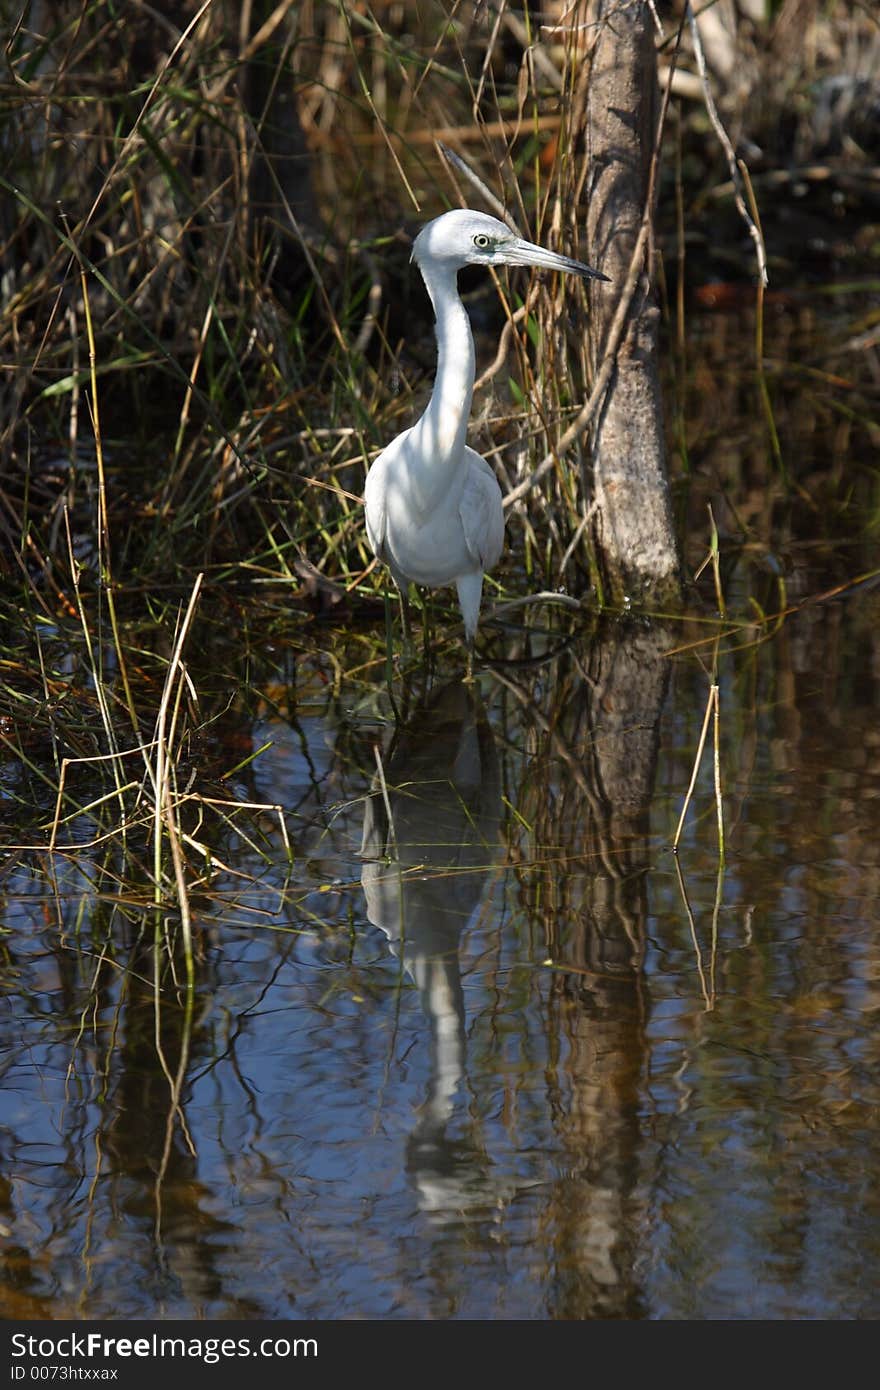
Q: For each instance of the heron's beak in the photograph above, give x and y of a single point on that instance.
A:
(526, 253)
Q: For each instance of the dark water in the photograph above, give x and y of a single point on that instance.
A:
(497, 1058)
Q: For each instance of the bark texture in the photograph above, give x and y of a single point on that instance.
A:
(634, 533)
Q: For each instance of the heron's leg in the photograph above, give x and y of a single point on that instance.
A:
(429, 613)
(404, 612)
(470, 591)
(468, 677)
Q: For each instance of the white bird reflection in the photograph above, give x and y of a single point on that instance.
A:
(430, 837)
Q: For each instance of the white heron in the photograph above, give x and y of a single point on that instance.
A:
(433, 506)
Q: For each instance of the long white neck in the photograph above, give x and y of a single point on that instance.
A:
(439, 436)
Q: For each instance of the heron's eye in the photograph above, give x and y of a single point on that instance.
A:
(481, 241)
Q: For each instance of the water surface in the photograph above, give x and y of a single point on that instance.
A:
(475, 1048)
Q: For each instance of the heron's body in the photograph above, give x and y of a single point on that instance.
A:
(455, 540)
(434, 510)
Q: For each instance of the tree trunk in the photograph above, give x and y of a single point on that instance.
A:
(633, 527)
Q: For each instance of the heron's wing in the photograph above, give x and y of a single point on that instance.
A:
(482, 513)
(375, 511)
(379, 479)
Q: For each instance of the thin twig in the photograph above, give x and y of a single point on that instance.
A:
(696, 767)
(462, 166)
(726, 145)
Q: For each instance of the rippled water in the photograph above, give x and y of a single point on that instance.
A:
(478, 1045)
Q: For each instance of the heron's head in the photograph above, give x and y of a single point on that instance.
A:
(464, 237)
